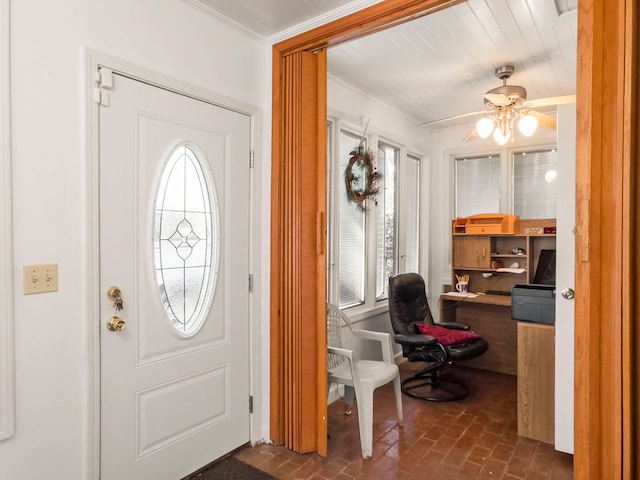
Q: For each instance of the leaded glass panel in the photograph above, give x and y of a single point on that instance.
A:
(186, 240)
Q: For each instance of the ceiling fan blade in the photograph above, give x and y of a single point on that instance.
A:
(543, 102)
(544, 120)
(454, 117)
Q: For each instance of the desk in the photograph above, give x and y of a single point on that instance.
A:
(489, 316)
(516, 348)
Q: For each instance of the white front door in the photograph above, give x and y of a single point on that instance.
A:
(174, 240)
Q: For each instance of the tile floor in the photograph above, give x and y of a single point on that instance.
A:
(474, 438)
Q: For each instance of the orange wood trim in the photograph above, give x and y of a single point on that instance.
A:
(321, 241)
(587, 347)
(310, 167)
(631, 259)
(275, 333)
(364, 22)
(295, 342)
(605, 243)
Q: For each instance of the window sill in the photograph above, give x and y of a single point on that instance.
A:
(363, 312)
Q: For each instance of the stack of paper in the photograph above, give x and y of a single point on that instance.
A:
(510, 270)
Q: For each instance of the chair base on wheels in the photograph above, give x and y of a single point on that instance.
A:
(434, 386)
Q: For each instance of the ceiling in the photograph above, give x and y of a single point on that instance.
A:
(275, 20)
(438, 65)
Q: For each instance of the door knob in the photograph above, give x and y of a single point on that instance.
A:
(116, 324)
(568, 293)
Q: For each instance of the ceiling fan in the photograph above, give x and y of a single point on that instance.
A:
(506, 106)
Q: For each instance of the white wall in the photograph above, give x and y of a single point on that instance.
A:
(49, 45)
(349, 104)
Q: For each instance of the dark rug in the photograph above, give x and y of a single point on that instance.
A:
(232, 469)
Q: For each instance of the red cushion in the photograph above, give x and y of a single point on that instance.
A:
(447, 336)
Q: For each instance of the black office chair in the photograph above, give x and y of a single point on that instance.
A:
(444, 344)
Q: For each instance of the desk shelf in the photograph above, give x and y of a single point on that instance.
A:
(475, 254)
(477, 269)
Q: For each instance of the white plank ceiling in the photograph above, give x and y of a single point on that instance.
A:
(441, 64)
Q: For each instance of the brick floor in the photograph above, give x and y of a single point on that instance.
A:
(471, 439)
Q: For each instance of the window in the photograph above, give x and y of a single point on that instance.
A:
(186, 240)
(477, 187)
(412, 215)
(534, 185)
(351, 249)
(512, 181)
(386, 205)
(368, 240)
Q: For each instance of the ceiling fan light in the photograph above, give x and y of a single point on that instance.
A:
(484, 127)
(499, 138)
(528, 125)
(550, 176)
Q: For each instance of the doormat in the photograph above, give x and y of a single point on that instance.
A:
(232, 469)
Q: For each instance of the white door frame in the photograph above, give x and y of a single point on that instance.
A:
(95, 60)
(7, 374)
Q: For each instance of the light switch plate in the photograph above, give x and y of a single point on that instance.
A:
(39, 278)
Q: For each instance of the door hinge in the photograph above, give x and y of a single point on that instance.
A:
(250, 403)
(104, 82)
(250, 283)
(251, 158)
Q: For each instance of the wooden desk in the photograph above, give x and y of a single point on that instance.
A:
(490, 316)
(516, 348)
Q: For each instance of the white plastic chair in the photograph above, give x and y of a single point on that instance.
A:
(361, 377)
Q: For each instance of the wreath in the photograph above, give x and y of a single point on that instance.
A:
(359, 189)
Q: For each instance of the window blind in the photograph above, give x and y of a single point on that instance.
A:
(534, 184)
(386, 244)
(352, 235)
(477, 185)
(412, 215)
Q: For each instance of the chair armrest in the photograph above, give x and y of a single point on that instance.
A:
(341, 351)
(415, 340)
(340, 374)
(453, 325)
(385, 342)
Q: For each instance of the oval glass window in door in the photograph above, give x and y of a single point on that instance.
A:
(186, 239)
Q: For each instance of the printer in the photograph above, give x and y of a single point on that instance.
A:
(537, 302)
